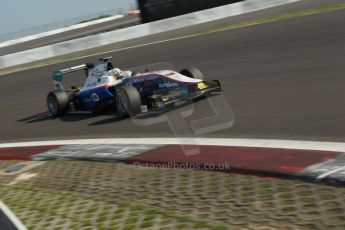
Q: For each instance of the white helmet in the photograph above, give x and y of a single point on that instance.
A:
(115, 72)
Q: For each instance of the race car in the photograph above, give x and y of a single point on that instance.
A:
(129, 93)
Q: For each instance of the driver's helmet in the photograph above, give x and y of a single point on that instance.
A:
(115, 72)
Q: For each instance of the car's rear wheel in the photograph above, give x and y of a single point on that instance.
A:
(127, 101)
(192, 72)
(57, 102)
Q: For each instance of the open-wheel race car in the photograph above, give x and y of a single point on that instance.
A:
(128, 92)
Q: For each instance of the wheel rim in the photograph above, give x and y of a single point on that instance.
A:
(121, 103)
(52, 105)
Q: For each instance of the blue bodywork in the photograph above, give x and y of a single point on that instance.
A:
(92, 98)
(146, 84)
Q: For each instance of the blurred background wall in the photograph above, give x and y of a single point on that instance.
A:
(152, 10)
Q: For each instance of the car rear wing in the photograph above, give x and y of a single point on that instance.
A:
(74, 68)
(58, 75)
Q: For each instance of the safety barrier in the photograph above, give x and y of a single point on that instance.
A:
(137, 31)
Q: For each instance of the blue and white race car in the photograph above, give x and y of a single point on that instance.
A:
(129, 93)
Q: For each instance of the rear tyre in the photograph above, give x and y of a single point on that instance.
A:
(127, 101)
(192, 72)
(57, 102)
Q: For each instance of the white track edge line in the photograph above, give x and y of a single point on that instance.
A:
(264, 143)
(10, 215)
(322, 176)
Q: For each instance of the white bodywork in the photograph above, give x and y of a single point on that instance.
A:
(178, 77)
(99, 76)
(94, 74)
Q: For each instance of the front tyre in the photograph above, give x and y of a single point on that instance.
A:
(127, 101)
(192, 72)
(57, 102)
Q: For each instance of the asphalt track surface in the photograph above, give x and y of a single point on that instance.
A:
(283, 80)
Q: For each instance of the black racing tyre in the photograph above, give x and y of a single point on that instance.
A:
(127, 101)
(57, 102)
(192, 72)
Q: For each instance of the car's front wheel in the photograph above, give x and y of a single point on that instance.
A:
(192, 72)
(127, 101)
(57, 102)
